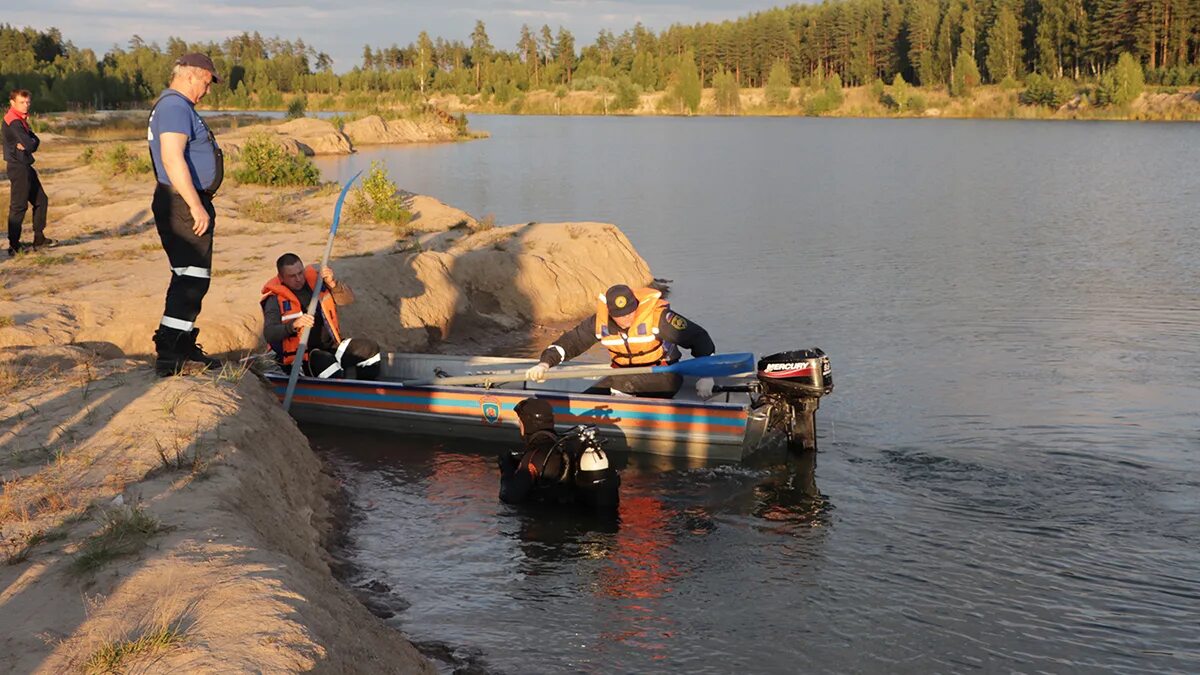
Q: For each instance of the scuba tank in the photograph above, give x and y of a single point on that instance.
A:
(597, 484)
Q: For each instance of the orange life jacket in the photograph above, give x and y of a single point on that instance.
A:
(290, 309)
(640, 345)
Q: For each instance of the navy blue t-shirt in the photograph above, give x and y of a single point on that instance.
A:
(176, 114)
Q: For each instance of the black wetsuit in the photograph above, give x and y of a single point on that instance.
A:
(547, 472)
(675, 331)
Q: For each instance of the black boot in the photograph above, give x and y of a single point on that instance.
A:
(168, 344)
(194, 353)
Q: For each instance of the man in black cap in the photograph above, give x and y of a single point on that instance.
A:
(188, 168)
(556, 469)
(542, 465)
(638, 328)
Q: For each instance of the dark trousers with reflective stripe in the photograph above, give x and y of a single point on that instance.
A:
(646, 385)
(325, 363)
(190, 256)
(24, 189)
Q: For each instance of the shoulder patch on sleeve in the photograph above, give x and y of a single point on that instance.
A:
(677, 321)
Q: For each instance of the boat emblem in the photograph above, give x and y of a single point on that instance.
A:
(490, 405)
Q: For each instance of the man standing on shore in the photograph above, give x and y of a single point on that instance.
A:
(188, 168)
(19, 145)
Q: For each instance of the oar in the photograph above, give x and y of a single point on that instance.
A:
(316, 296)
(717, 365)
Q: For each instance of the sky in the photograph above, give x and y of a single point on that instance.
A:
(340, 28)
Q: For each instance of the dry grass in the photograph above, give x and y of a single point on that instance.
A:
(114, 656)
(124, 531)
(487, 222)
(269, 211)
(6, 321)
(24, 500)
(185, 454)
(42, 259)
(18, 548)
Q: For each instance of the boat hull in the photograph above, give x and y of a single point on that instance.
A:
(694, 429)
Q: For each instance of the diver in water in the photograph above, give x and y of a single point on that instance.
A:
(557, 469)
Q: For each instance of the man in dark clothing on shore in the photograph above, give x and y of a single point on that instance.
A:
(188, 168)
(638, 328)
(25, 188)
(328, 353)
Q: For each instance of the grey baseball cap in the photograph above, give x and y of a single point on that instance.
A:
(198, 60)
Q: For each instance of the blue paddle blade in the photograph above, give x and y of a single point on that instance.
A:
(337, 208)
(717, 365)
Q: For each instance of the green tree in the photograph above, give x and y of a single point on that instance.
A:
(423, 64)
(966, 74)
(726, 92)
(1046, 91)
(1004, 52)
(779, 85)
(627, 94)
(564, 52)
(1122, 84)
(899, 95)
(481, 51)
(687, 89)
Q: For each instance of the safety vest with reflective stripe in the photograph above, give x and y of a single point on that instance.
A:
(640, 345)
(290, 309)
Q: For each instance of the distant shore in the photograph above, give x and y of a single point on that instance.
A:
(984, 102)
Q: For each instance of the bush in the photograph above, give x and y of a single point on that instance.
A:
(1042, 90)
(726, 93)
(828, 100)
(266, 162)
(877, 89)
(118, 160)
(378, 200)
(779, 85)
(1121, 84)
(966, 74)
(628, 95)
(295, 108)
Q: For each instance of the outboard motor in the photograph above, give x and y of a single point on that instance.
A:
(796, 381)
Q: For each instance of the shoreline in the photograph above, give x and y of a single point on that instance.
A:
(186, 522)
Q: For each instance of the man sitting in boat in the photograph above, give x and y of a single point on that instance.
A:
(557, 469)
(639, 328)
(329, 353)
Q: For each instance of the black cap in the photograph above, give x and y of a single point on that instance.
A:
(198, 60)
(536, 414)
(621, 300)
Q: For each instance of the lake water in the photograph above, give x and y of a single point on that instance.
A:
(1008, 478)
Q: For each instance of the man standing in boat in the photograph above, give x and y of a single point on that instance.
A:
(329, 352)
(638, 328)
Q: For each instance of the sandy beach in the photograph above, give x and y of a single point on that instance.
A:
(153, 524)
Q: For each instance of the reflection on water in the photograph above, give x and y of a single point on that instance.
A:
(1008, 477)
(594, 589)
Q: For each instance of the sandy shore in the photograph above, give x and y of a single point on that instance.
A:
(181, 524)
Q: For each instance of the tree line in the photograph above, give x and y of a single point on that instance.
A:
(931, 43)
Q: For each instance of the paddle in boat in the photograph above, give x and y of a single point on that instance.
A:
(755, 405)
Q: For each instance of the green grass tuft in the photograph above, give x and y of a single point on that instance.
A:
(113, 657)
(125, 531)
